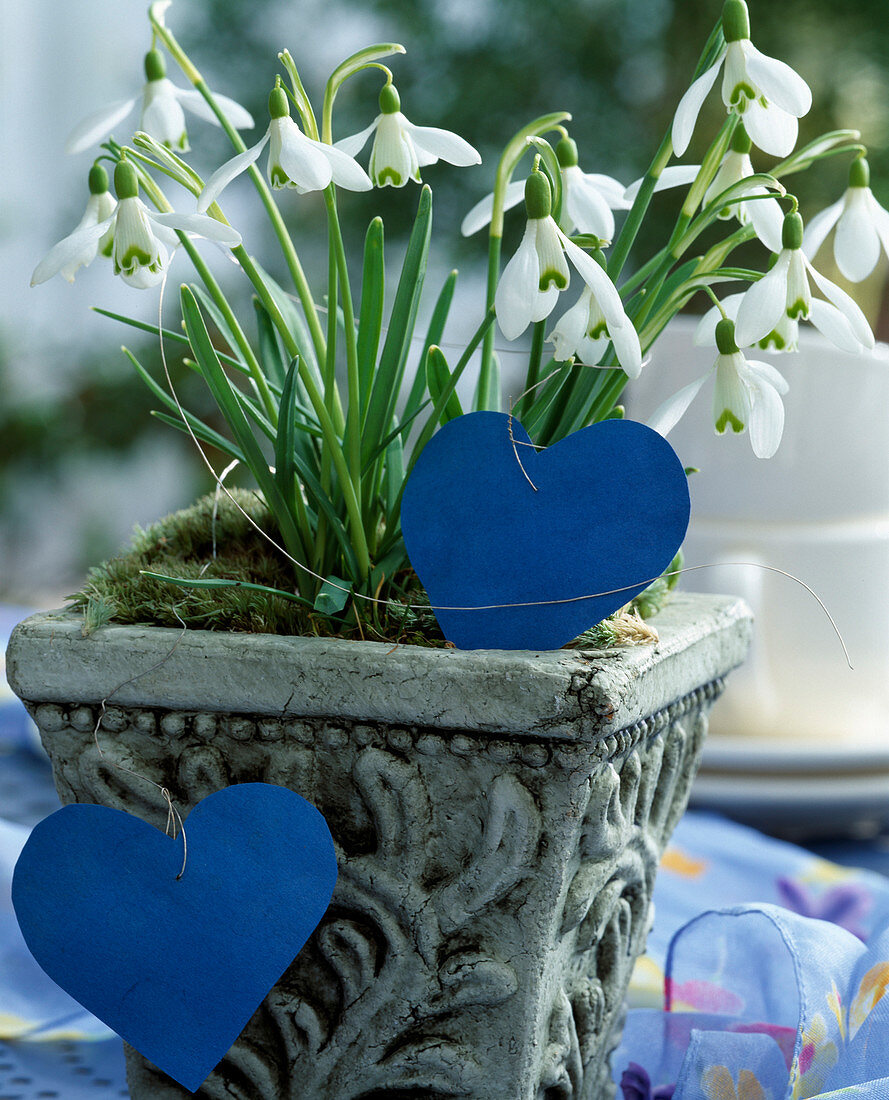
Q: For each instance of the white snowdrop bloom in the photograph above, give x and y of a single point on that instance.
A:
(161, 116)
(583, 332)
(784, 291)
(295, 160)
(530, 284)
(142, 239)
(588, 198)
(65, 260)
(784, 337)
(401, 149)
(766, 93)
(747, 394)
(862, 227)
(764, 214)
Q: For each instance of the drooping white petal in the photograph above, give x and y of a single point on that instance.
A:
(732, 399)
(72, 252)
(690, 106)
(627, 349)
(550, 255)
(296, 158)
(393, 158)
(776, 80)
(223, 175)
(763, 303)
(834, 326)
(439, 144)
(856, 246)
(675, 175)
(139, 255)
(769, 374)
(880, 218)
(202, 225)
(353, 144)
(767, 218)
(705, 333)
(570, 328)
(767, 409)
(237, 115)
(98, 125)
(611, 190)
(667, 416)
(818, 228)
(518, 300)
(587, 210)
(480, 215)
(345, 170)
(845, 304)
(162, 116)
(596, 278)
(770, 129)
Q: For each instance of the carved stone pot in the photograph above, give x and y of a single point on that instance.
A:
(498, 818)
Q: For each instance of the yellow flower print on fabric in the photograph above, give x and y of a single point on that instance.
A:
(870, 993)
(817, 1057)
(675, 860)
(717, 1083)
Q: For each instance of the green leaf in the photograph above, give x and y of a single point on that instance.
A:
(215, 315)
(438, 375)
(221, 582)
(390, 370)
(370, 318)
(285, 443)
(168, 335)
(333, 596)
(271, 350)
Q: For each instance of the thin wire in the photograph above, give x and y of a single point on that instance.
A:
(173, 816)
(471, 607)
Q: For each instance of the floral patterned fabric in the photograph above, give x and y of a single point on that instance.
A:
(781, 995)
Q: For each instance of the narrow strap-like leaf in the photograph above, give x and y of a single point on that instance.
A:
(222, 582)
(434, 333)
(370, 317)
(271, 351)
(401, 325)
(438, 375)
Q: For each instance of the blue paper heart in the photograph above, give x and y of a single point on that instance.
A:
(610, 510)
(176, 967)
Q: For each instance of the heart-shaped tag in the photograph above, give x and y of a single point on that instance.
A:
(176, 966)
(489, 520)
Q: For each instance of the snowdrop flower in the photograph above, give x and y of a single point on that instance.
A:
(784, 291)
(767, 94)
(530, 284)
(746, 393)
(588, 198)
(401, 149)
(583, 333)
(162, 116)
(784, 337)
(295, 160)
(765, 215)
(862, 227)
(64, 260)
(142, 239)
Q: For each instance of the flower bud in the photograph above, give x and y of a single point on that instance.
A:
(725, 337)
(735, 21)
(859, 173)
(278, 105)
(741, 142)
(155, 66)
(98, 180)
(792, 231)
(538, 195)
(566, 153)
(126, 181)
(390, 101)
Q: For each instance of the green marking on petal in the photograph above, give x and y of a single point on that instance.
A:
(388, 175)
(552, 277)
(741, 94)
(134, 257)
(598, 331)
(773, 340)
(108, 249)
(278, 177)
(797, 310)
(728, 419)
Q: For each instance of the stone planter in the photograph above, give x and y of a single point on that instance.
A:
(498, 816)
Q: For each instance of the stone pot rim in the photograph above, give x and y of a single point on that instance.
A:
(562, 695)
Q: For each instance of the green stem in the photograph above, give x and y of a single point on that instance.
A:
(630, 228)
(277, 222)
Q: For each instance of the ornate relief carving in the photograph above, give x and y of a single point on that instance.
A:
(492, 894)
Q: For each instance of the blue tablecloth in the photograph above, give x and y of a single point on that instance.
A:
(764, 979)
